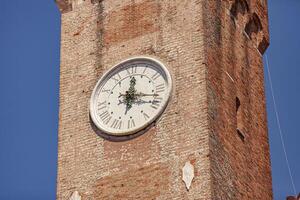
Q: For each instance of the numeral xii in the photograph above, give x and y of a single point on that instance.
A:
(132, 70)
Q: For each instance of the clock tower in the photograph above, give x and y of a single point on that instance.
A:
(191, 126)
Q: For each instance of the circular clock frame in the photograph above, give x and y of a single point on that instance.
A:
(118, 67)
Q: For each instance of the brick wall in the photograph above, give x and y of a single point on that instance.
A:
(239, 149)
(211, 60)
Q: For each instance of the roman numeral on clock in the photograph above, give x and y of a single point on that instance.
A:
(145, 69)
(131, 70)
(160, 88)
(116, 78)
(105, 91)
(105, 117)
(101, 105)
(131, 123)
(156, 102)
(146, 116)
(117, 124)
(155, 76)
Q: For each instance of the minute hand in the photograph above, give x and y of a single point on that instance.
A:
(146, 95)
(141, 95)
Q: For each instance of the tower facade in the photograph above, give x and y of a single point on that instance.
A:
(213, 132)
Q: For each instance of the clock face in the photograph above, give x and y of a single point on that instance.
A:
(130, 96)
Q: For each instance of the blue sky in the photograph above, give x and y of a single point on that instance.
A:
(29, 85)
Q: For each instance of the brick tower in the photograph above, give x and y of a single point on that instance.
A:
(215, 121)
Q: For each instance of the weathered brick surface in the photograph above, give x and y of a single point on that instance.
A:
(240, 168)
(211, 60)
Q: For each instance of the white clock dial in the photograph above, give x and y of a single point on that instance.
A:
(130, 96)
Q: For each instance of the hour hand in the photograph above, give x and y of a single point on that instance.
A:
(121, 95)
(121, 102)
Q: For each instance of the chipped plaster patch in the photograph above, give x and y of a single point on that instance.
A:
(188, 174)
(75, 196)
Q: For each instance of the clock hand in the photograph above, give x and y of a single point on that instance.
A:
(120, 102)
(121, 95)
(146, 95)
(142, 101)
(129, 96)
(140, 95)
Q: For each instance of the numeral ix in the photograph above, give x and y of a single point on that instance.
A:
(105, 117)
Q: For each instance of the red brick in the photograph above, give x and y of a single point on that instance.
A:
(212, 61)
